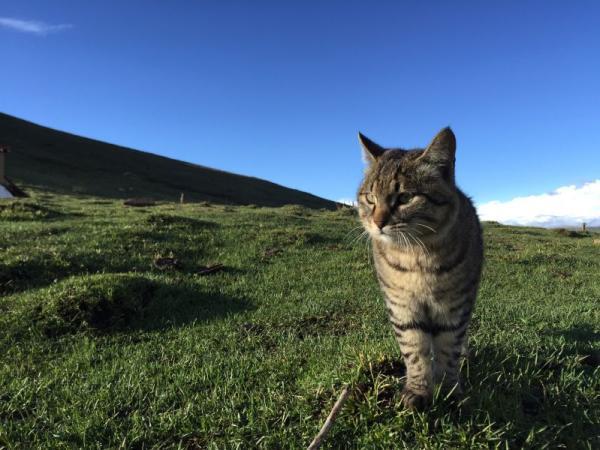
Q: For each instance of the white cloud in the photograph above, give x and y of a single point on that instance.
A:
(31, 26)
(564, 207)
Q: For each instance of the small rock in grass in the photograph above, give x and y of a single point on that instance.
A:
(138, 202)
(271, 252)
(166, 263)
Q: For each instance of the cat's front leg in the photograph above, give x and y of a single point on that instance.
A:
(448, 349)
(415, 346)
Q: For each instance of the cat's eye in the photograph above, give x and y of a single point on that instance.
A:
(404, 197)
(370, 198)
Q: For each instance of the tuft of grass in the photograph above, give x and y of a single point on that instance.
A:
(83, 303)
(13, 210)
(113, 336)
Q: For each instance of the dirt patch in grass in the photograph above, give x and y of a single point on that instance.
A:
(331, 323)
(96, 302)
(166, 262)
(164, 220)
(378, 380)
(271, 252)
(328, 324)
(389, 367)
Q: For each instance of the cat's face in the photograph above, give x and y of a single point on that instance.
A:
(407, 196)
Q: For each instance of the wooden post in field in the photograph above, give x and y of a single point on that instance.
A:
(4, 149)
(181, 198)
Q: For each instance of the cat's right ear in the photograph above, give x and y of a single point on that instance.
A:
(371, 150)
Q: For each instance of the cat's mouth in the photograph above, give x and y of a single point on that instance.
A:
(390, 231)
(415, 227)
(396, 228)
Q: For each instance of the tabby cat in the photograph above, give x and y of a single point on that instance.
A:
(428, 253)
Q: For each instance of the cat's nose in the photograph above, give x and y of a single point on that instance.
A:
(381, 218)
(380, 223)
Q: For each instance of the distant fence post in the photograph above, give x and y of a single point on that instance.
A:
(181, 198)
(4, 149)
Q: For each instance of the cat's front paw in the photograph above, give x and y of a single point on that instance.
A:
(416, 401)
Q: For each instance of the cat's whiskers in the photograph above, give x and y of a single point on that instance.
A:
(354, 230)
(400, 233)
(359, 236)
(367, 240)
(413, 247)
(354, 234)
(407, 245)
(422, 245)
(426, 226)
(369, 247)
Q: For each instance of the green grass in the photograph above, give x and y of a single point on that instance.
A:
(103, 348)
(64, 163)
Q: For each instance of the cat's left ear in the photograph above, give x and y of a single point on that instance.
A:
(371, 150)
(441, 153)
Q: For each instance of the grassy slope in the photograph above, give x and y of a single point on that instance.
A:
(64, 163)
(254, 356)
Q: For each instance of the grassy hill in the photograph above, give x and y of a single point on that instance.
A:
(113, 335)
(65, 163)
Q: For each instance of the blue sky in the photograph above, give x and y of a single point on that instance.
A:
(278, 90)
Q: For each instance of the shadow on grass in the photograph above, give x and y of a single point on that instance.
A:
(41, 270)
(531, 399)
(578, 334)
(528, 391)
(177, 305)
(18, 276)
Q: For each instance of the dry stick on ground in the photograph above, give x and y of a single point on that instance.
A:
(318, 440)
(211, 269)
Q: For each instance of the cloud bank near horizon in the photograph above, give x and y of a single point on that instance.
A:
(31, 26)
(566, 206)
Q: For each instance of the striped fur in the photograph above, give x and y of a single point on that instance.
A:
(428, 254)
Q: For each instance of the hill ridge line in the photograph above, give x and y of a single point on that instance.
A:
(158, 175)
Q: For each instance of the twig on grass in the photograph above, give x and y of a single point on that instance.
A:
(318, 440)
(210, 269)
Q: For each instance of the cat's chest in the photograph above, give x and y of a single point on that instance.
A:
(406, 274)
